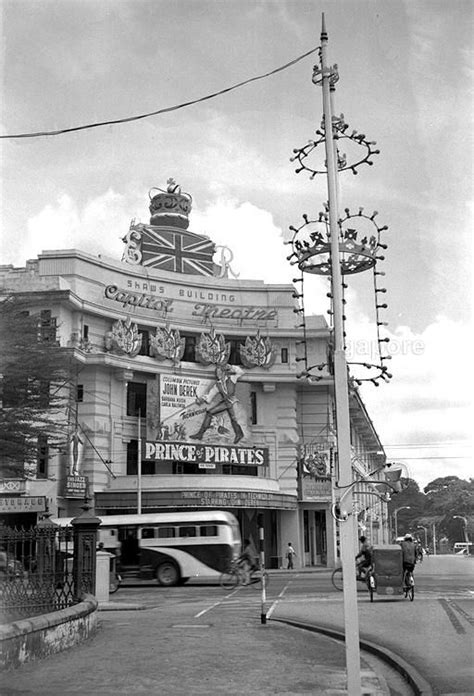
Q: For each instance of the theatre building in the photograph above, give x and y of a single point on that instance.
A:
(186, 393)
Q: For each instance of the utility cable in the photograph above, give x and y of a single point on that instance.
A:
(62, 131)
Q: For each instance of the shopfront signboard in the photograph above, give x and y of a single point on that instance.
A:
(36, 503)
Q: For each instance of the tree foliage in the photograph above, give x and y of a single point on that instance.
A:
(35, 373)
(445, 502)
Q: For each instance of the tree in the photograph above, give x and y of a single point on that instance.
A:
(447, 497)
(35, 375)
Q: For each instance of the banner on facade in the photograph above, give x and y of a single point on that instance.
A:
(209, 455)
(316, 489)
(23, 504)
(75, 487)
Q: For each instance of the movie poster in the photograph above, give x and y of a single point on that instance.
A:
(199, 409)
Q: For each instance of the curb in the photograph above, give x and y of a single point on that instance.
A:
(419, 684)
(117, 606)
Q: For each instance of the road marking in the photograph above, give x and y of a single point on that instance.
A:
(459, 628)
(216, 604)
(461, 611)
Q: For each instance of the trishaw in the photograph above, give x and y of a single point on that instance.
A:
(386, 576)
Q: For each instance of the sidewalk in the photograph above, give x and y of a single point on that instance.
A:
(171, 650)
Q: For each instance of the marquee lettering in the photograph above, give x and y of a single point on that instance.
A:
(132, 299)
(212, 454)
(208, 311)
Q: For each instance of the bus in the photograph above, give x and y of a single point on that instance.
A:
(170, 546)
(462, 548)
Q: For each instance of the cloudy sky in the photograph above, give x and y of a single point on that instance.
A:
(405, 81)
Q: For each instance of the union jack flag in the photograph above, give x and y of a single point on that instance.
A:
(178, 251)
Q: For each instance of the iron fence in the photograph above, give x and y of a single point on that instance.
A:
(37, 571)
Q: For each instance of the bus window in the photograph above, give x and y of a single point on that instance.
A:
(208, 530)
(148, 533)
(166, 532)
(187, 531)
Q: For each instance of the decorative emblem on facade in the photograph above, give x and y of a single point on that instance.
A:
(132, 253)
(257, 352)
(124, 338)
(167, 344)
(212, 349)
(226, 257)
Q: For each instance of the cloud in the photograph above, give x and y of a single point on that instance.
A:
(97, 228)
(428, 402)
(251, 234)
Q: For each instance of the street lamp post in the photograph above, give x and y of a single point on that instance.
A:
(420, 526)
(460, 517)
(395, 516)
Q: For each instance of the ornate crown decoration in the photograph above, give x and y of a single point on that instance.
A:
(124, 338)
(167, 344)
(257, 352)
(171, 207)
(212, 349)
(311, 244)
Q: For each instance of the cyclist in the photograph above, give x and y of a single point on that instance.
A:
(419, 551)
(247, 559)
(365, 554)
(408, 554)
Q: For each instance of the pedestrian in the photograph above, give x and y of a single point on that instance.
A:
(290, 553)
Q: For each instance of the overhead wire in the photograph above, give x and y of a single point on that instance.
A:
(129, 119)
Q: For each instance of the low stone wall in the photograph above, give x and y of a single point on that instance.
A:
(35, 638)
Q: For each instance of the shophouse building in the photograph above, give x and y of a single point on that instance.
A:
(186, 392)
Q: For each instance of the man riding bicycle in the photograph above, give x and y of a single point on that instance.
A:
(365, 554)
(408, 553)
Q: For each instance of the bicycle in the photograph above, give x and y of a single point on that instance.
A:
(240, 574)
(337, 579)
(408, 585)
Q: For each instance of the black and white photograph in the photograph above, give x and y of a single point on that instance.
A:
(236, 334)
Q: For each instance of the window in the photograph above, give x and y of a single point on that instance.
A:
(208, 530)
(236, 470)
(148, 533)
(187, 531)
(284, 355)
(234, 355)
(166, 532)
(136, 399)
(80, 392)
(43, 456)
(148, 468)
(85, 332)
(47, 327)
(145, 341)
(189, 354)
(253, 408)
(132, 458)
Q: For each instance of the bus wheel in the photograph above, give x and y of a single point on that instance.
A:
(167, 574)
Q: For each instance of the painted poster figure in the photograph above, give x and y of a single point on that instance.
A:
(76, 448)
(221, 397)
